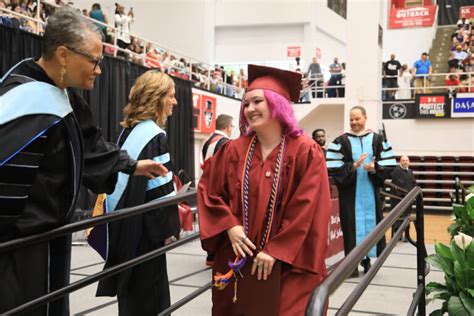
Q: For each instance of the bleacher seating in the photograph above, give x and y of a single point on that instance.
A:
(436, 176)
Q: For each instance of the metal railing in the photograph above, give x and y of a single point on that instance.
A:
(427, 87)
(459, 192)
(318, 302)
(107, 218)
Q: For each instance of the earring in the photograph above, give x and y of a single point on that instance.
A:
(62, 73)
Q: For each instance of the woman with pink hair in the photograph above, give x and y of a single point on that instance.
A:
(263, 204)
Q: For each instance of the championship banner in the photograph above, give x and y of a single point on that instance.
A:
(467, 12)
(412, 17)
(432, 106)
(398, 110)
(463, 105)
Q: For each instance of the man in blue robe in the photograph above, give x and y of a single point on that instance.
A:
(359, 161)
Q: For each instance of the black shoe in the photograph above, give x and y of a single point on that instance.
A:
(354, 274)
(210, 260)
(366, 264)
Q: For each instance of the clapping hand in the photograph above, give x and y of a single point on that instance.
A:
(359, 162)
(370, 167)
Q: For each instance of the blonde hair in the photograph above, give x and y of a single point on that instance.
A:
(147, 99)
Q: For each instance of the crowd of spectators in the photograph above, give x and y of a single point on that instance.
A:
(125, 46)
(461, 61)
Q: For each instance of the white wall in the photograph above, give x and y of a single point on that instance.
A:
(260, 43)
(181, 25)
(431, 137)
(330, 117)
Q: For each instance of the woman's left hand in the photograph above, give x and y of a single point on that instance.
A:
(263, 264)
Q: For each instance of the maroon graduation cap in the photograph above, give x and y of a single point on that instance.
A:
(284, 82)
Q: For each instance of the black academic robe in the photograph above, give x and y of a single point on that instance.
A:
(340, 162)
(143, 289)
(406, 180)
(48, 172)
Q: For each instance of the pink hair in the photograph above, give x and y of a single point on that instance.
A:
(280, 108)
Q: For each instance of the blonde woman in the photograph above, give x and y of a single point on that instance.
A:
(143, 289)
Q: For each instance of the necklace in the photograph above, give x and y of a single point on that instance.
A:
(222, 280)
(273, 195)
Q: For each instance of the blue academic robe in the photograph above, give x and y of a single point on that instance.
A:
(360, 204)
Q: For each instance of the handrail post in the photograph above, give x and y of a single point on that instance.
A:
(38, 14)
(456, 189)
(420, 253)
(115, 42)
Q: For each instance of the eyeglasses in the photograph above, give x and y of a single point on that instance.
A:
(93, 60)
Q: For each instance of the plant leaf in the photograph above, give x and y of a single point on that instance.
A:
(441, 263)
(437, 312)
(457, 253)
(468, 302)
(443, 250)
(470, 291)
(460, 275)
(455, 307)
(470, 255)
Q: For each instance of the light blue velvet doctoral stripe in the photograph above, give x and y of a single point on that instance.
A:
(33, 98)
(334, 163)
(386, 145)
(159, 181)
(138, 138)
(334, 146)
(333, 155)
(365, 196)
(386, 154)
(387, 162)
(162, 158)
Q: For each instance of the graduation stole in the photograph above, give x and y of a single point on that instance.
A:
(222, 280)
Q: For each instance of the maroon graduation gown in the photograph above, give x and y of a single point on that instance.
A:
(300, 235)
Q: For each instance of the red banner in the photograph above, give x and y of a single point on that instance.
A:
(204, 120)
(335, 238)
(412, 17)
(293, 51)
(467, 12)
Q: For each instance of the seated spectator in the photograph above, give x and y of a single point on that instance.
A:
(153, 58)
(460, 55)
(453, 84)
(469, 65)
(470, 85)
(452, 61)
(463, 21)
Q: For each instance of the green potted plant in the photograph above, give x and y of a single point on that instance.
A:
(457, 263)
(463, 217)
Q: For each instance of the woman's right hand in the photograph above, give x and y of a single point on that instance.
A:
(241, 244)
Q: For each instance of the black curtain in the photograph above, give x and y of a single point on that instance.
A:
(110, 94)
(448, 10)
